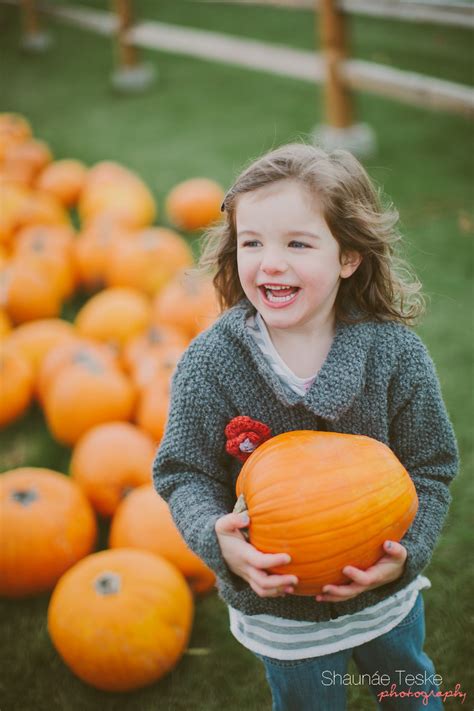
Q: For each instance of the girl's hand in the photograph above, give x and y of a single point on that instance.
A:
(247, 562)
(385, 570)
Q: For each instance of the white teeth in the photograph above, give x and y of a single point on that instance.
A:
(276, 288)
(278, 299)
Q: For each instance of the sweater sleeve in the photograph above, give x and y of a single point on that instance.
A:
(189, 470)
(422, 437)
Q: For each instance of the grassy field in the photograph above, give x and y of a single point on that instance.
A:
(202, 118)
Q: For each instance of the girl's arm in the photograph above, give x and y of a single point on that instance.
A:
(422, 437)
(189, 470)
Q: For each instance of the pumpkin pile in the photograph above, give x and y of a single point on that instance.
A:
(83, 241)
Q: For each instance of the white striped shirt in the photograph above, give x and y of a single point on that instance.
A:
(291, 639)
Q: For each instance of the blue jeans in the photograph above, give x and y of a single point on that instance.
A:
(316, 684)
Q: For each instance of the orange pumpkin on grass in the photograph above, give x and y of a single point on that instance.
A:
(121, 619)
(16, 384)
(194, 204)
(109, 461)
(71, 351)
(112, 189)
(151, 412)
(143, 520)
(153, 342)
(23, 161)
(155, 366)
(92, 250)
(64, 179)
(84, 394)
(114, 316)
(5, 324)
(36, 338)
(187, 302)
(47, 526)
(49, 246)
(28, 292)
(147, 260)
(327, 499)
(14, 129)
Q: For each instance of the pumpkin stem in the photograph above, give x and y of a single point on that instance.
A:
(125, 491)
(25, 497)
(240, 505)
(107, 583)
(155, 335)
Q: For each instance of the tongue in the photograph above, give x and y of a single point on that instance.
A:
(283, 292)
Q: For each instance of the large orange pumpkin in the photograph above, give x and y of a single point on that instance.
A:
(328, 500)
(153, 403)
(47, 526)
(143, 520)
(114, 316)
(194, 204)
(187, 302)
(148, 260)
(36, 338)
(25, 160)
(14, 129)
(84, 394)
(109, 461)
(28, 292)
(121, 619)
(92, 250)
(111, 189)
(51, 247)
(64, 179)
(153, 343)
(71, 351)
(16, 384)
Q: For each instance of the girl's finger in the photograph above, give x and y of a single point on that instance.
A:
(333, 598)
(338, 592)
(271, 582)
(230, 522)
(361, 577)
(395, 550)
(267, 560)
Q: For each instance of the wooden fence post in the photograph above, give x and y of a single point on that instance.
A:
(339, 131)
(127, 52)
(130, 75)
(33, 38)
(334, 45)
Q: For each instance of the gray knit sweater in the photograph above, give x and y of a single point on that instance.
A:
(378, 380)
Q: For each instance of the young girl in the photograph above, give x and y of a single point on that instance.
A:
(313, 336)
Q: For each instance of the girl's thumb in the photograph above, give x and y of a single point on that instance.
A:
(242, 519)
(231, 521)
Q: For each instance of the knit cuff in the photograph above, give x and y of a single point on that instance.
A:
(211, 554)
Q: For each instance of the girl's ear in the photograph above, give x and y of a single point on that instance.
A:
(349, 263)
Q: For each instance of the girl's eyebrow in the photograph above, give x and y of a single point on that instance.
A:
(291, 233)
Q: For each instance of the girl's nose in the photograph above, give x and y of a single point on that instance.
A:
(273, 262)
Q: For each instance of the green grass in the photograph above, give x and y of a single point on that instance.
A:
(202, 118)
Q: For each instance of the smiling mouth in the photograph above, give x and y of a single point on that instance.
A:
(278, 294)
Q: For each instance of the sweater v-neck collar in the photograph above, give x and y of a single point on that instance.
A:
(341, 376)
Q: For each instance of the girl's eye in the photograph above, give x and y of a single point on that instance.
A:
(251, 243)
(298, 245)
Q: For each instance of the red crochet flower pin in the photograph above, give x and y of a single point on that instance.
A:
(244, 435)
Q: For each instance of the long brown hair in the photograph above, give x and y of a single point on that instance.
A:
(383, 287)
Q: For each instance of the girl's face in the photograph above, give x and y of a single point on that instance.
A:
(288, 260)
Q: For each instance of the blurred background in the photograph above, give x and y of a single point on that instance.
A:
(173, 90)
